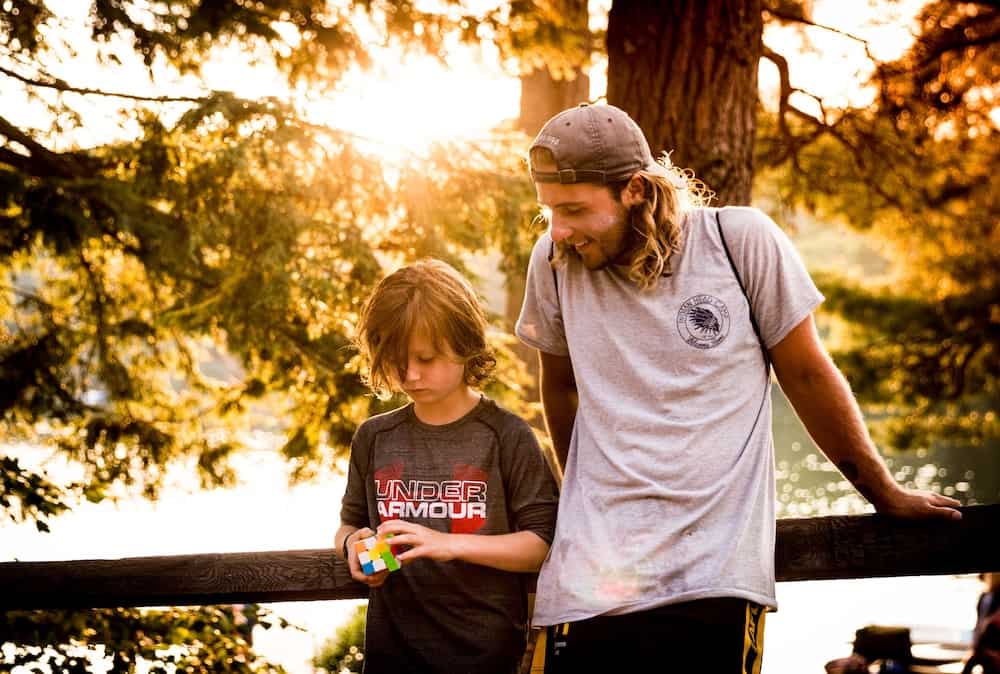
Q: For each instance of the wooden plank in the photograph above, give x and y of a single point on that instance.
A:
(819, 548)
(874, 546)
(182, 580)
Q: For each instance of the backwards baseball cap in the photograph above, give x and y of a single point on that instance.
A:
(594, 144)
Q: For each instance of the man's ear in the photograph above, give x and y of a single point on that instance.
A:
(634, 192)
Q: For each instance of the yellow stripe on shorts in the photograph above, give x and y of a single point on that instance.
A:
(753, 639)
(538, 657)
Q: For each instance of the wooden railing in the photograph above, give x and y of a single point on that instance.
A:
(820, 548)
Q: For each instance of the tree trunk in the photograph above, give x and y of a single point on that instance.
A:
(542, 96)
(686, 71)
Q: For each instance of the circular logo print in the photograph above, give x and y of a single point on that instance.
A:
(703, 321)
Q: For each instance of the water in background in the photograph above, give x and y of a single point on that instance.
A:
(815, 623)
(809, 485)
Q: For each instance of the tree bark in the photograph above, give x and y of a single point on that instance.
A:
(542, 96)
(686, 71)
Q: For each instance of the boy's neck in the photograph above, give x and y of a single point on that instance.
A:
(450, 409)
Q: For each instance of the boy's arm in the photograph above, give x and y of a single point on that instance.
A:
(522, 551)
(341, 537)
(557, 387)
(825, 404)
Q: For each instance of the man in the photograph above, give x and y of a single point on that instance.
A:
(656, 321)
(986, 648)
(986, 635)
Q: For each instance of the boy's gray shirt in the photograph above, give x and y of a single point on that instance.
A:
(668, 494)
(482, 474)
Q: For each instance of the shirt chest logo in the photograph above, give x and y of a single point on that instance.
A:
(703, 321)
(460, 501)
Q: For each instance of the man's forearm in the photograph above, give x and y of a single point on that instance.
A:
(824, 402)
(826, 406)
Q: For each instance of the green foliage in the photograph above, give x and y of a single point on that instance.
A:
(29, 496)
(917, 172)
(216, 639)
(235, 227)
(241, 226)
(469, 197)
(317, 41)
(931, 365)
(160, 295)
(345, 651)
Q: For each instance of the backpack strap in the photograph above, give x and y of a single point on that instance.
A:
(753, 319)
(552, 254)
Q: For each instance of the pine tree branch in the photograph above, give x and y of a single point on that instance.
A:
(788, 17)
(15, 159)
(62, 85)
(795, 143)
(957, 40)
(42, 160)
(37, 299)
(98, 305)
(776, 11)
(307, 351)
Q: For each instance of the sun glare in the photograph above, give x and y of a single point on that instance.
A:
(406, 103)
(835, 66)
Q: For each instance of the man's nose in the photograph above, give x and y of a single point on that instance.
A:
(558, 231)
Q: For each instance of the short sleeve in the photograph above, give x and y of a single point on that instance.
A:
(354, 506)
(532, 494)
(540, 324)
(781, 291)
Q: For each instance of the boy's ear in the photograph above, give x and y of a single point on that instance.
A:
(634, 192)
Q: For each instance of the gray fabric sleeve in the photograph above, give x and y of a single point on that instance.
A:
(532, 495)
(540, 324)
(354, 506)
(781, 291)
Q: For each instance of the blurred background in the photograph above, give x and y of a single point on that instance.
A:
(196, 197)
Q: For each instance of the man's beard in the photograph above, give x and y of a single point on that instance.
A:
(630, 240)
(626, 248)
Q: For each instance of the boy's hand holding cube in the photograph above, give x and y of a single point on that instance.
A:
(375, 554)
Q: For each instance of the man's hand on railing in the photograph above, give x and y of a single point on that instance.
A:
(916, 504)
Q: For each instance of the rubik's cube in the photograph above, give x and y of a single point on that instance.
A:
(375, 554)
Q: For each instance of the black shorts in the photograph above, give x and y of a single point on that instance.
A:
(722, 635)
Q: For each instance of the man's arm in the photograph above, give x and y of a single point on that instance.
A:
(825, 404)
(557, 387)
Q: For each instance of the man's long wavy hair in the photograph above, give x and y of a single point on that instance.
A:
(428, 297)
(656, 224)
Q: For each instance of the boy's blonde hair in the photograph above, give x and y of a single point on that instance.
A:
(428, 297)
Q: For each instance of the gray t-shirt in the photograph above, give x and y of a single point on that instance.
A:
(668, 493)
(482, 474)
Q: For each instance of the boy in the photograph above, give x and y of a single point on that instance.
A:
(460, 483)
